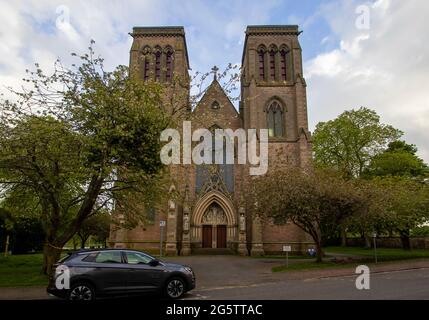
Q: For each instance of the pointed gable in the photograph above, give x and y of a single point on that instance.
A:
(215, 108)
(215, 93)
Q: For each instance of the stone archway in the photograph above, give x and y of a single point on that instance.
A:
(213, 222)
(214, 226)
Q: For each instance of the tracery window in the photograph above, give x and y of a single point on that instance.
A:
(284, 54)
(157, 65)
(168, 64)
(261, 57)
(275, 119)
(272, 65)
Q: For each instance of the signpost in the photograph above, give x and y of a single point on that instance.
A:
(161, 227)
(287, 249)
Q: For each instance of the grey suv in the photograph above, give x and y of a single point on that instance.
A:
(104, 272)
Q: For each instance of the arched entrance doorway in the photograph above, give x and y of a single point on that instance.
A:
(214, 227)
(213, 222)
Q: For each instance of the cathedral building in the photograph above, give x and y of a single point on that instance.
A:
(212, 215)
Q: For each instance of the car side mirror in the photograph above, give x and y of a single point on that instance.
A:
(154, 263)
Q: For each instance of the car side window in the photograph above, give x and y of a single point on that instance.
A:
(90, 257)
(108, 257)
(137, 258)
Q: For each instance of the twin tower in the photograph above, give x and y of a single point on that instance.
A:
(211, 214)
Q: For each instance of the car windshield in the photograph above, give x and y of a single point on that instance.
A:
(64, 258)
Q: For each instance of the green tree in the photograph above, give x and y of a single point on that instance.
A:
(78, 138)
(97, 226)
(399, 159)
(350, 141)
(406, 205)
(315, 200)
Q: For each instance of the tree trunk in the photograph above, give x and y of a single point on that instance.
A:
(51, 254)
(343, 233)
(83, 242)
(405, 239)
(319, 251)
(367, 241)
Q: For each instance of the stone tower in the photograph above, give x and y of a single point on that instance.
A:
(274, 90)
(274, 97)
(157, 52)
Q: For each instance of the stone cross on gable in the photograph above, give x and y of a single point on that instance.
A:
(214, 71)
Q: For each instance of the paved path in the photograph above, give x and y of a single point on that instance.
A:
(234, 277)
(215, 271)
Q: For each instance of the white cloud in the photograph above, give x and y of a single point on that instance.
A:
(384, 68)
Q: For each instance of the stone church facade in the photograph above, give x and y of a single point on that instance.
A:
(212, 215)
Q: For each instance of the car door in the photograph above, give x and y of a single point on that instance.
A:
(141, 276)
(109, 272)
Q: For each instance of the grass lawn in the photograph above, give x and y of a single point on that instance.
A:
(283, 257)
(22, 271)
(361, 255)
(383, 254)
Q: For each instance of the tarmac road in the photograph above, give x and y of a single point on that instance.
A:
(406, 284)
(234, 277)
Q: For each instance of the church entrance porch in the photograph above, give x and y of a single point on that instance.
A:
(214, 227)
(214, 236)
(214, 224)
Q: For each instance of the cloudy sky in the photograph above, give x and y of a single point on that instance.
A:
(356, 53)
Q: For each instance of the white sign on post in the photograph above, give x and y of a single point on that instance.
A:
(161, 226)
(287, 248)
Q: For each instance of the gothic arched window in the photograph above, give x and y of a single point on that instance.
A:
(157, 64)
(168, 64)
(272, 64)
(275, 119)
(284, 52)
(145, 63)
(261, 62)
(146, 69)
(224, 171)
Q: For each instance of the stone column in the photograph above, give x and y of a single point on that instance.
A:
(171, 238)
(242, 246)
(257, 244)
(186, 237)
(186, 223)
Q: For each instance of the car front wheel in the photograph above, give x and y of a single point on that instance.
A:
(81, 291)
(175, 288)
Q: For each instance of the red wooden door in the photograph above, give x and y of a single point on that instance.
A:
(207, 236)
(221, 236)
